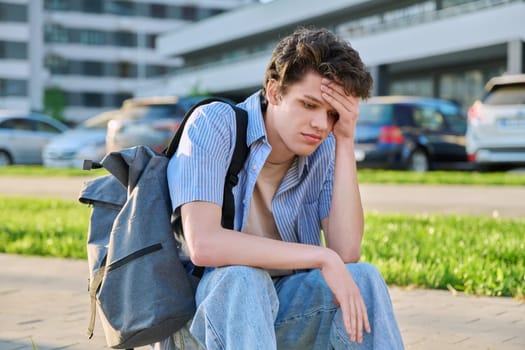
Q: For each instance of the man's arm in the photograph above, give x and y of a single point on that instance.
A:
(345, 224)
(211, 245)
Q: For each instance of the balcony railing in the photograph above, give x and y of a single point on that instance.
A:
(412, 15)
(417, 14)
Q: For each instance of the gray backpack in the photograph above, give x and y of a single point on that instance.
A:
(138, 284)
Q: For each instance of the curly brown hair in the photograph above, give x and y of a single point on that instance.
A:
(321, 51)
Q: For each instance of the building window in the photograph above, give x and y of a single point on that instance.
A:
(158, 11)
(73, 99)
(452, 3)
(189, 13)
(55, 34)
(156, 70)
(56, 64)
(151, 40)
(92, 37)
(420, 86)
(57, 5)
(93, 6)
(13, 12)
(125, 70)
(13, 87)
(93, 69)
(121, 8)
(127, 39)
(93, 99)
(464, 87)
(118, 98)
(13, 50)
(174, 12)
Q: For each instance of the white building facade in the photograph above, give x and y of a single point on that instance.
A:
(440, 48)
(94, 52)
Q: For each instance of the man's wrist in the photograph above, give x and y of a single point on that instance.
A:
(328, 258)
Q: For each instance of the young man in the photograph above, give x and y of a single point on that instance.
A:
(271, 283)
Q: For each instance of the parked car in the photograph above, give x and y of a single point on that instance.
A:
(150, 121)
(24, 135)
(86, 141)
(496, 123)
(411, 133)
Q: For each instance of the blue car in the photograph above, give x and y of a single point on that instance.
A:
(410, 133)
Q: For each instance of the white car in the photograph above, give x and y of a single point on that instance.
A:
(86, 141)
(496, 123)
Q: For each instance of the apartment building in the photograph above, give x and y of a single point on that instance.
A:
(91, 54)
(441, 48)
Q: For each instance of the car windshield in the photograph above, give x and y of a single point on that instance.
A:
(374, 114)
(151, 112)
(506, 95)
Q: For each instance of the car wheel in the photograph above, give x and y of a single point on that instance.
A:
(5, 159)
(418, 161)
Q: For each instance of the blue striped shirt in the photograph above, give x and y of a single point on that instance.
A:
(198, 169)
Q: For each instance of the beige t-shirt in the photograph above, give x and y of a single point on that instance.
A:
(260, 217)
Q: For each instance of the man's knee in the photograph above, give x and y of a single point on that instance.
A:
(233, 282)
(365, 274)
(238, 274)
(364, 269)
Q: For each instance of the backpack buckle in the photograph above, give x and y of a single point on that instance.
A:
(233, 179)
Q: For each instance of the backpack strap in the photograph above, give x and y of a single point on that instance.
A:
(239, 156)
(174, 143)
(93, 287)
(240, 153)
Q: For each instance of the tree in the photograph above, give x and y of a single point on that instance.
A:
(55, 102)
(197, 91)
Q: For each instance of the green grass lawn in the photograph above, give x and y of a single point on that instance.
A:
(475, 254)
(38, 170)
(365, 176)
(478, 255)
(442, 177)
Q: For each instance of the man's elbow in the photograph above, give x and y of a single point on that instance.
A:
(351, 256)
(201, 252)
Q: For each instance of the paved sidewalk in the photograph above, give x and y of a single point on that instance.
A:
(503, 201)
(46, 300)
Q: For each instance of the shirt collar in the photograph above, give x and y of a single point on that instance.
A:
(256, 129)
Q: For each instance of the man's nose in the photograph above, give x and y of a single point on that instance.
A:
(319, 121)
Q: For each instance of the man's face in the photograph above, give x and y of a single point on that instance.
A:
(299, 121)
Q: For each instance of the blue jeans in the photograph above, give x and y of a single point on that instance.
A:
(244, 308)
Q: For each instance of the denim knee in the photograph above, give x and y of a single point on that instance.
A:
(236, 272)
(236, 275)
(235, 305)
(363, 268)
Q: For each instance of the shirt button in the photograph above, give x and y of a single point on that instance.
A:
(254, 167)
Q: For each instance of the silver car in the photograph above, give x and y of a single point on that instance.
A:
(85, 141)
(24, 135)
(496, 123)
(150, 121)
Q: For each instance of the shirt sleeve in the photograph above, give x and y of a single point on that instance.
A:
(197, 171)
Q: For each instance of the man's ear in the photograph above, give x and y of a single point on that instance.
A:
(273, 95)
